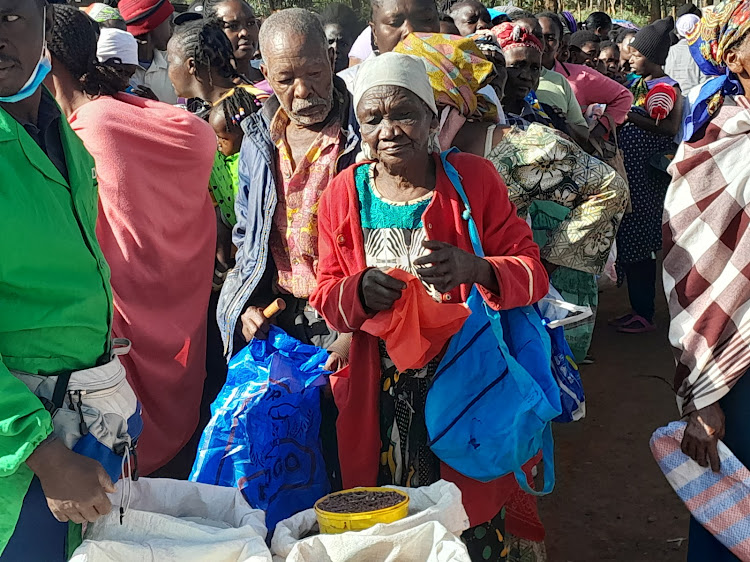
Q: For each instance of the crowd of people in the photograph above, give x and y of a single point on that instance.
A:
(166, 177)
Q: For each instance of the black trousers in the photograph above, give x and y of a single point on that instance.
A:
(641, 278)
(38, 535)
(704, 547)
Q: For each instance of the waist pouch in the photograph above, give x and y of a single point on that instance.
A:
(94, 411)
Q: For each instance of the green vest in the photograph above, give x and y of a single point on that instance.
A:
(55, 294)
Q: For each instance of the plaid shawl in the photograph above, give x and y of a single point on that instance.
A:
(707, 258)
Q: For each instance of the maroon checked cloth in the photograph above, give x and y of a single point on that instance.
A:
(707, 258)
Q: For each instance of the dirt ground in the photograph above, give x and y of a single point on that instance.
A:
(611, 501)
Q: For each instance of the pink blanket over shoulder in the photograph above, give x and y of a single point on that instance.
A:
(157, 229)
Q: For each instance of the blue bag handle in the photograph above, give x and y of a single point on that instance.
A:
(466, 215)
(548, 445)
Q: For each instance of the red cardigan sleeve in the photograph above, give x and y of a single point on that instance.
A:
(509, 246)
(339, 269)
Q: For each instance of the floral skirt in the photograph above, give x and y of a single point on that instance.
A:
(405, 455)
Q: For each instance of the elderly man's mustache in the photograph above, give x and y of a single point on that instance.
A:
(303, 106)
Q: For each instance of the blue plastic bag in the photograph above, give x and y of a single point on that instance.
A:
(565, 371)
(493, 397)
(264, 433)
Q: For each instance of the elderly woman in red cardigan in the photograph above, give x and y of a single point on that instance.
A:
(399, 210)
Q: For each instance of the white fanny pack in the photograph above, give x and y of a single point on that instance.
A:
(94, 411)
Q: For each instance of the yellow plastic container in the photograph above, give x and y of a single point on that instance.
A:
(335, 523)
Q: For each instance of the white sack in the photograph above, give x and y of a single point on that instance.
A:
(173, 520)
(439, 503)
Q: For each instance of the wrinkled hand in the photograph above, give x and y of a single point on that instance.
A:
(255, 324)
(335, 362)
(145, 92)
(378, 291)
(705, 428)
(447, 267)
(75, 486)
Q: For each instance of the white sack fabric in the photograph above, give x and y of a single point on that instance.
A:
(430, 533)
(172, 520)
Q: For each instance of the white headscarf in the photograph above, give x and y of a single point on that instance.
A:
(395, 69)
(685, 24)
(116, 43)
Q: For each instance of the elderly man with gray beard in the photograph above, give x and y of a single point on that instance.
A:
(304, 135)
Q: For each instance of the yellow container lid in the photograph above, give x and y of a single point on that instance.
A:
(333, 523)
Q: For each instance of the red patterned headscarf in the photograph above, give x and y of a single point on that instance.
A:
(510, 35)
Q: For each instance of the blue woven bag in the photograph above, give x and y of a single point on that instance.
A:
(490, 405)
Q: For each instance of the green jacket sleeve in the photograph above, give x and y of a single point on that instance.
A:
(24, 423)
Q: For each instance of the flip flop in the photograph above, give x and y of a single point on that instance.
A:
(621, 320)
(637, 325)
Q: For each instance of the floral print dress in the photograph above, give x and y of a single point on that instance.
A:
(539, 165)
(543, 171)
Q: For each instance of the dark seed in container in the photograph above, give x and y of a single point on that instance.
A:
(360, 501)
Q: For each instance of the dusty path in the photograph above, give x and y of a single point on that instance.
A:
(612, 501)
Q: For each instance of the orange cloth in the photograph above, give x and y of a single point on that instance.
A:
(417, 328)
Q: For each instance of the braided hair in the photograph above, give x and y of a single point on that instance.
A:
(237, 104)
(73, 43)
(204, 41)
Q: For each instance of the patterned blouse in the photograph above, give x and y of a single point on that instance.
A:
(393, 231)
(294, 240)
(393, 235)
(539, 165)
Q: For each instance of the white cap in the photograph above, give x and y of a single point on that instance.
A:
(685, 24)
(117, 44)
(395, 69)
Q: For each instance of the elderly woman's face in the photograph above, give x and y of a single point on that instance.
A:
(524, 70)
(737, 59)
(395, 124)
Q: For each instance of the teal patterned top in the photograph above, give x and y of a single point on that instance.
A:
(393, 231)
(377, 212)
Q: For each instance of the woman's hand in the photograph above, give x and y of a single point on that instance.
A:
(335, 362)
(378, 291)
(705, 427)
(447, 267)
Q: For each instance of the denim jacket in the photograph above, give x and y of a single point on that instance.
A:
(249, 281)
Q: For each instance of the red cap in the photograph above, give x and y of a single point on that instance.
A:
(143, 16)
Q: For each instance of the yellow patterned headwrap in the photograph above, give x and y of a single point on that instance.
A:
(457, 71)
